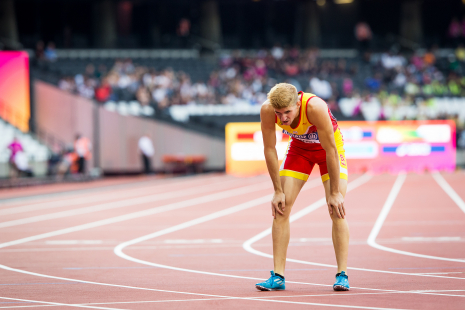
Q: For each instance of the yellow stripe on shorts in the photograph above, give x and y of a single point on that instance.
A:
(293, 174)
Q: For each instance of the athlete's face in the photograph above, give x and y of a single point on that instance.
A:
(289, 114)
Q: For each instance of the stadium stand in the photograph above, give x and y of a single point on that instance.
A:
(36, 153)
(207, 93)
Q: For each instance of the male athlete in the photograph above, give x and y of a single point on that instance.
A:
(315, 138)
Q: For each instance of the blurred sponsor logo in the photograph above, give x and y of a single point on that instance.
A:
(413, 149)
(252, 151)
(360, 150)
(355, 133)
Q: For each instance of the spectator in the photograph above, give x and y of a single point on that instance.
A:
(50, 52)
(277, 51)
(82, 148)
(21, 163)
(363, 35)
(455, 31)
(147, 152)
(103, 92)
(347, 86)
(460, 52)
(15, 147)
(39, 52)
(90, 71)
(321, 88)
(67, 84)
(412, 88)
(183, 31)
(429, 58)
(143, 96)
(69, 162)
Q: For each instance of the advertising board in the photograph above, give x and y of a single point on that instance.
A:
(383, 146)
(14, 88)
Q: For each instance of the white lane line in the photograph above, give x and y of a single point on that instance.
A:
(431, 239)
(449, 190)
(192, 241)
(128, 302)
(121, 204)
(134, 215)
(59, 304)
(149, 289)
(99, 189)
(119, 249)
(202, 299)
(247, 245)
(382, 217)
(263, 299)
(438, 272)
(97, 197)
(184, 293)
(441, 291)
(67, 242)
(386, 208)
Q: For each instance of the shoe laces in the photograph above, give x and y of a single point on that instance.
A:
(342, 274)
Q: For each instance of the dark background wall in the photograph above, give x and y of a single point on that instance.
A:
(243, 23)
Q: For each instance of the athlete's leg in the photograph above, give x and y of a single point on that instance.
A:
(340, 230)
(281, 229)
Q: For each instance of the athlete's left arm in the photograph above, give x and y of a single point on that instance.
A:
(317, 113)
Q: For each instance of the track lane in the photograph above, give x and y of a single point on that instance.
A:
(144, 204)
(432, 205)
(116, 200)
(106, 194)
(143, 275)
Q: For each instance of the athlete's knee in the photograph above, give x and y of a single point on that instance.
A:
(283, 218)
(334, 216)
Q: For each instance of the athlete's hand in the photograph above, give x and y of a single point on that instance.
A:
(278, 203)
(336, 204)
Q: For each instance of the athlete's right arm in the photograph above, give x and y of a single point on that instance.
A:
(267, 117)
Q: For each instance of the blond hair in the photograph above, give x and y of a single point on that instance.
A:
(282, 95)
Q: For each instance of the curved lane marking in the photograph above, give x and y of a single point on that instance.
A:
(384, 213)
(121, 203)
(138, 214)
(354, 184)
(127, 217)
(248, 244)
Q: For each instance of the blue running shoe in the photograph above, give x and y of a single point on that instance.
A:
(342, 282)
(274, 283)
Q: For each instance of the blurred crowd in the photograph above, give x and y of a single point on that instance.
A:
(69, 159)
(392, 78)
(126, 81)
(238, 79)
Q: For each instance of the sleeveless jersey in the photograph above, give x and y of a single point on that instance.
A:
(305, 131)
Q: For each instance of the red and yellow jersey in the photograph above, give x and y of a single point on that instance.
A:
(305, 131)
(305, 150)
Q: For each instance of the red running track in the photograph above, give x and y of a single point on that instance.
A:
(202, 242)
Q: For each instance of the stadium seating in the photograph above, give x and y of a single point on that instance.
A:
(36, 152)
(197, 69)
